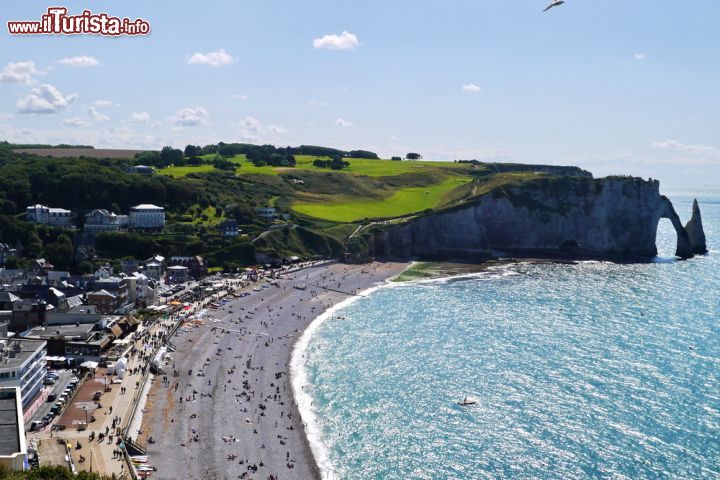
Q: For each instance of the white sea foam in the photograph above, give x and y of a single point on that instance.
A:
(299, 378)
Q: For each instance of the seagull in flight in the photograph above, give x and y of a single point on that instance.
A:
(555, 3)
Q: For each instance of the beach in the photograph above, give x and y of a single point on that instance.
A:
(224, 407)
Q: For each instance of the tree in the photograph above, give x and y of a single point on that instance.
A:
(60, 252)
(170, 156)
(413, 156)
(362, 154)
(192, 151)
(222, 164)
(396, 159)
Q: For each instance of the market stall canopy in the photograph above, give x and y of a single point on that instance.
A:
(89, 365)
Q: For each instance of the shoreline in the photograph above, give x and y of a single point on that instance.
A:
(298, 377)
(197, 424)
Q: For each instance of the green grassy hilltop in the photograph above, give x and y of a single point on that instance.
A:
(321, 206)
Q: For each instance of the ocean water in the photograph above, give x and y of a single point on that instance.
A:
(595, 370)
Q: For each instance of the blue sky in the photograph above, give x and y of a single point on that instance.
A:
(615, 87)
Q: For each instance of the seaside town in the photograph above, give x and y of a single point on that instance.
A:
(97, 369)
(79, 356)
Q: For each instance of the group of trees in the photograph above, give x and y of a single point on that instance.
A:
(259, 155)
(335, 163)
(269, 155)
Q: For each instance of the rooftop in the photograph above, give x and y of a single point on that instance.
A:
(9, 426)
(60, 331)
(146, 206)
(18, 351)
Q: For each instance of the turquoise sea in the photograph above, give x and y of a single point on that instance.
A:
(594, 370)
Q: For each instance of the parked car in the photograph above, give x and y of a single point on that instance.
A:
(52, 397)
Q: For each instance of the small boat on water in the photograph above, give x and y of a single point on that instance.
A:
(467, 401)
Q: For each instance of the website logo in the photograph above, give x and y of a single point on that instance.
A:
(57, 22)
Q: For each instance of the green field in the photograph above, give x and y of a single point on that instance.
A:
(179, 172)
(358, 166)
(404, 201)
(243, 167)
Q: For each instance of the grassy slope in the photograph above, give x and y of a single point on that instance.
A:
(403, 202)
(377, 188)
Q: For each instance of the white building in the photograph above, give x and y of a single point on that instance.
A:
(22, 364)
(50, 216)
(13, 447)
(267, 213)
(101, 220)
(147, 217)
(142, 290)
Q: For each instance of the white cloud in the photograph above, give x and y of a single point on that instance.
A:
(313, 103)
(214, 59)
(97, 116)
(19, 72)
(75, 122)
(140, 117)
(44, 99)
(103, 103)
(343, 123)
(251, 129)
(5, 116)
(156, 124)
(122, 138)
(471, 87)
(639, 56)
(239, 96)
(344, 41)
(80, 61)
(685, 148)
(190, 117)
(251, 124)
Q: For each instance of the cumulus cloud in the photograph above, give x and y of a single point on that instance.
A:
(103, 103)
(190, 117)
(97, 116)
(140, 117)
(19, 72)
(75, 122)
(471, 87)
(214, 59)
(239, 96)
(340, 122)
(344, 41)
(5, 116)
(639, 56)
(80, 61)
(44, 99)
(251, 129)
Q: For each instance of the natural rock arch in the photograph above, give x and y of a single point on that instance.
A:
(684, 247)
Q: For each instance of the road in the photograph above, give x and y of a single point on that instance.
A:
(62, 382)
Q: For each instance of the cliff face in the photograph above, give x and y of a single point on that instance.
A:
(605, 217)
